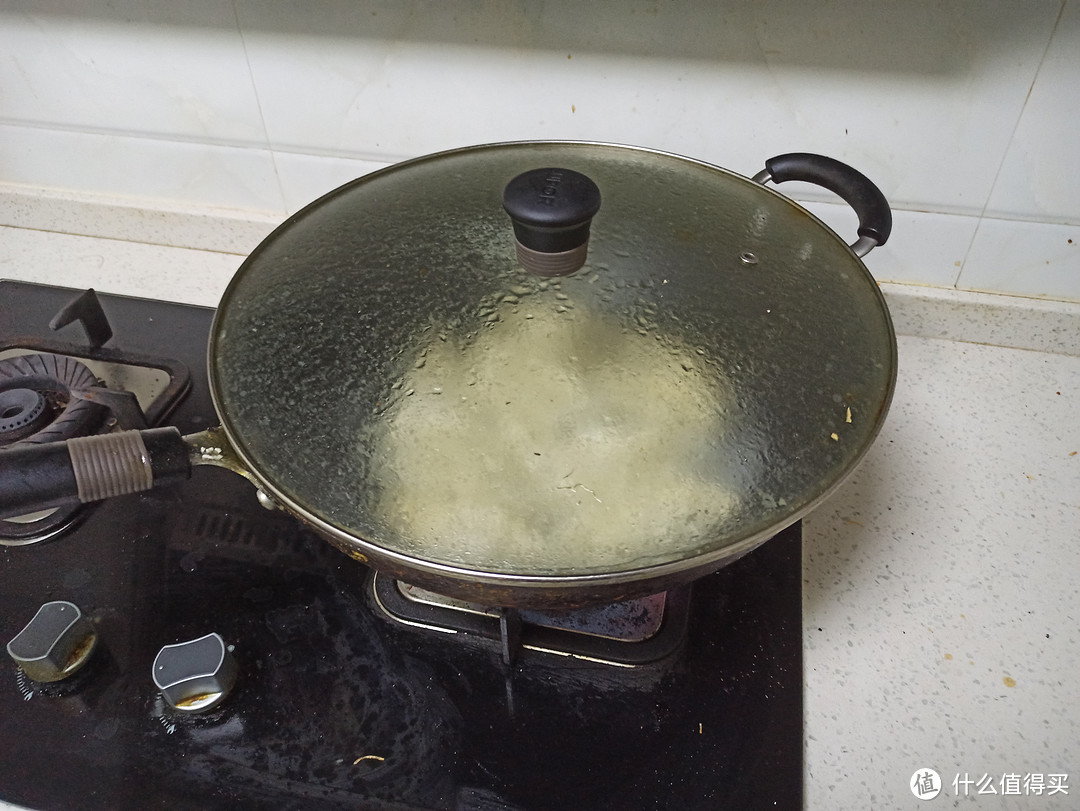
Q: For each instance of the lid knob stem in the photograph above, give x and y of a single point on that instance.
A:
(551, 211)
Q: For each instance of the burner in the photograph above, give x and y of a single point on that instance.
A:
(36, 402)
(22, 413)
(39, 403)
(52, 390)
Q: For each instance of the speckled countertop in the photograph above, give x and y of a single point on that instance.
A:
(942, 581)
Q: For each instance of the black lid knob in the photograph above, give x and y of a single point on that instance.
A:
(551, 210)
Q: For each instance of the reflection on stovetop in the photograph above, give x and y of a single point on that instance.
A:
(336, 705)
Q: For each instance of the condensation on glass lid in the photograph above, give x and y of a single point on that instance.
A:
(553, 445)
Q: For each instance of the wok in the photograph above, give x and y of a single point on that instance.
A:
(651, 367)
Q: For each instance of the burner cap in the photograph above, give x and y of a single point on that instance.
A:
(22, 412)
(35, 401)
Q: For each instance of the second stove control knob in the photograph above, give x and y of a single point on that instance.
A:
(56, 643)
(196, 675)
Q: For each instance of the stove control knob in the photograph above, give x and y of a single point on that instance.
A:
(55, 643)
(196, 675)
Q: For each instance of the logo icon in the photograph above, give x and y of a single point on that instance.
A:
(925, 784)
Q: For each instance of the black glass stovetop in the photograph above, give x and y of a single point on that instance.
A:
(338, 707)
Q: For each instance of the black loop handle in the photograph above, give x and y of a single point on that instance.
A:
(856, 189)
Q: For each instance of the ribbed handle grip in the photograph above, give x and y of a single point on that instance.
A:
(110, 465)
(54, 474)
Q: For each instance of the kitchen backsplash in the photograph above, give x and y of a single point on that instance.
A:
(963, 111)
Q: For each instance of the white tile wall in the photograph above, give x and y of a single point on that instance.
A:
(927, 248)
(1025, 258)
(960, 111)
(305, 178)
(1029, 241)
(170, 70)
(129, 166)
(1038, 180)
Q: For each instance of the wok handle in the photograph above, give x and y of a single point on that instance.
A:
(856, 189)
(85, 469)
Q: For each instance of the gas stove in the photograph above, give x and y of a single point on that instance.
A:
(331, 687)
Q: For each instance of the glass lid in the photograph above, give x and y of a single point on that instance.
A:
(720, 362)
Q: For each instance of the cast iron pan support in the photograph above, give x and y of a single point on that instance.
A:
(86, 309)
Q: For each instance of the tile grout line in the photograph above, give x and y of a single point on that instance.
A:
(259, 107)
(223, 143)
(1008, 148)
